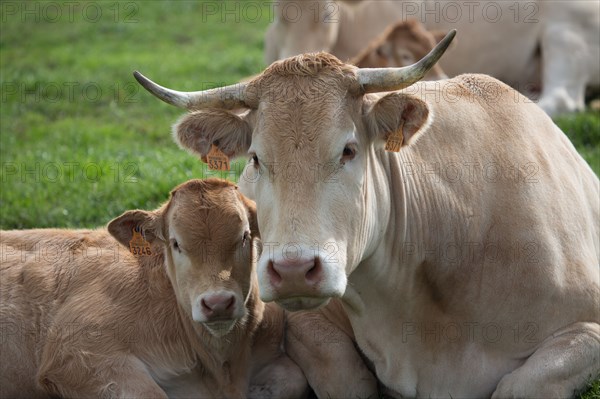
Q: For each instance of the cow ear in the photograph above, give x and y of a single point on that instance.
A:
(395, 113)
(198, 130)
(147, 223)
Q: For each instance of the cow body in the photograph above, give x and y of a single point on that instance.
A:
(467, 261)
(84, 317)
(487, 273)
(465, 278)
(502, 39)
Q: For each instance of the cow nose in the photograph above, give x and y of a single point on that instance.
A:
(295, 274)
(218, 306)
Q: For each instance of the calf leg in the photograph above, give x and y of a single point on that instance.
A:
(328, 357)
(91, 376)
(561, 366)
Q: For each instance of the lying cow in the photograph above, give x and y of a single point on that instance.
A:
(84, 317)
(454, 219)
(523, 43)
(401, 44)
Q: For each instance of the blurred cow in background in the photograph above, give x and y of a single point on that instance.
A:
(401, 44)
(521, 42)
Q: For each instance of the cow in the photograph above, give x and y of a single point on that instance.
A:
(160, 304)
(401, 44)
(555, 44)
(454, 219)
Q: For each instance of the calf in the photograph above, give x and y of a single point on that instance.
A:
(163, 303)
(401, 44)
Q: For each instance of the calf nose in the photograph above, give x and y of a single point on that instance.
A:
(218, 306)
(295, 276)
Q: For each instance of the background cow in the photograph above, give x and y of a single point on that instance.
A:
(502, 39)
(461, 285)
(401, 44)
(84, 317)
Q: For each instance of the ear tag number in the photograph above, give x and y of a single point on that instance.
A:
(138, 244)
(394, 140)
(217, 160)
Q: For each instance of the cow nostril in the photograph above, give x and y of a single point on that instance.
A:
(204, 305)
(230, 303)
(273, 274)
(313, 275)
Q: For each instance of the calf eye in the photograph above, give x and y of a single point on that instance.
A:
(348, 154)
(175, 245)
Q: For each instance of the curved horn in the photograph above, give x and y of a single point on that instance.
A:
(388, 79)
(227, 97)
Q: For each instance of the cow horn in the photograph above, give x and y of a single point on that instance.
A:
(388, 79)
(227, 97)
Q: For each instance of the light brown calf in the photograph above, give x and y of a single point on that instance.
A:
(401, 44)
(81, 316)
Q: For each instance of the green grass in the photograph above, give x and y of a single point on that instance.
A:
(592, 391)
(81, 142)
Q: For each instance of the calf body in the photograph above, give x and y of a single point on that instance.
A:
(84, 317)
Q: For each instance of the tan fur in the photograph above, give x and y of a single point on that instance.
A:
(524, 212)
(83, 317)
(401, 44)
(527, 53)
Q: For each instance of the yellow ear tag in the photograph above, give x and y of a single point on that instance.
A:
(217, 160)
(138, 244)
(394, 140)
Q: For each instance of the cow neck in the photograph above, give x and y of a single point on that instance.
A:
(215, 355)
(393, 221)
(222, 359)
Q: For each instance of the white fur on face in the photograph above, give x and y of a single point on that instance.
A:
(193, 281)
(321, 225)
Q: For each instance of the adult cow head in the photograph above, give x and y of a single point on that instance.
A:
(312, 131)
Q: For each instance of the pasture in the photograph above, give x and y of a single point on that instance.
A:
(81, 141)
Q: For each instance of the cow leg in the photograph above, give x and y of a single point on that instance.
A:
(99, 377)
(560, 367)
(564, 69)
(328, 357)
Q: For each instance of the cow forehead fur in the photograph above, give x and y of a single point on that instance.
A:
(219, 205)
(322, 66)
(302, 102)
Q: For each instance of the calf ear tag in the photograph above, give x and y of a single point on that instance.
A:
(216, 159)
(394, 140)
(138, 244)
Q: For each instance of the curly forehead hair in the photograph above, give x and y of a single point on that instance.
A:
(321, 65)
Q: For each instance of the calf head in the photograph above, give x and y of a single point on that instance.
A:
(312, 132)
(205, 233)
(400, 45)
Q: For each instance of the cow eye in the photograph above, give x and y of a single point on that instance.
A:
(245, 238)
(348, 154)
(255, 160)
(175, 245)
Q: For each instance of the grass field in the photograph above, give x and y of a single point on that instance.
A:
(81, 142)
